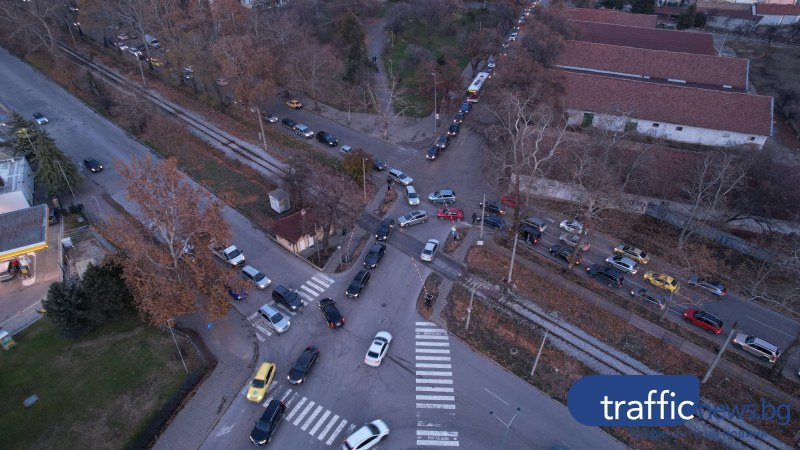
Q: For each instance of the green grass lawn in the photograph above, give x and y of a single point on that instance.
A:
(95, 392)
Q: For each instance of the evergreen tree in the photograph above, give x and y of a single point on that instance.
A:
(643, 6)
(105, 292)
(358, 61)
(67, 309)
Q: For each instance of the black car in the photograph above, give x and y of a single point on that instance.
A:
(288, 123)
(53, 216)
(327, 139)
(358, 284)
(265, 426)
(288, 297)
(432, 154)
(494, 221)
(443, 141)
(92, 165)
(608, 275)
(385, 229)
(454, 129)
(331, 313)
(465, 107)
(459, 118)
(380, 165)
(374, 256)
(303, 365)
(565, 253)
(530, 234)
(494, 207)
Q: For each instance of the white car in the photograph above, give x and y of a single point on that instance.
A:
(413, 197)
(40, 118)
(304, 131)
(431, 247)
(571, 226)
(399, 177)
(346, 149)
(367, 436)
(623, 263)
(378, 349)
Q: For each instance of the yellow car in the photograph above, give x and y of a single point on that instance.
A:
(260, 384)
(156, 62)
(663, 281)
(296, 104)
(632, 252)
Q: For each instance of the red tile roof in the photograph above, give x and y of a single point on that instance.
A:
(612, 16)
(640, 37)
(656, 64)
(734, 10)
(777, 10)
(704, 108)
(291, 226)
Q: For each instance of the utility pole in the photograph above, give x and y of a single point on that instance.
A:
(435, 113)
(364, 178)
(144, 81)
(513, 254)
(261, 123)
(483, 212)
(719, 354)
(469, 309)
(74, 199)
(539, 353)
(69, 27)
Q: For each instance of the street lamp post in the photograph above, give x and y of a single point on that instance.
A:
(435, 106)
(261, 124)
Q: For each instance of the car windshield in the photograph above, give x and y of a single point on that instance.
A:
(235, 253)
(258, 383)
(276, 318)
(373, 429)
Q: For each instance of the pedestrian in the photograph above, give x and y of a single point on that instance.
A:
(474, 217)
(374, 59)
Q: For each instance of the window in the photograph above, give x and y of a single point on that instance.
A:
(588, 118)
(679, 128)
(752, 138)
(656, 125)
(630, 127)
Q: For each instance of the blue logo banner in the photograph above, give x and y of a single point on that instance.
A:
(634, 400)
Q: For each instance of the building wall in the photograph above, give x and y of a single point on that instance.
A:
(778, 20)
(670, 131)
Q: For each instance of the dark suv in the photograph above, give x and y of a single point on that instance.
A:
(282, 294)
(385, 229)
(530, 234)
(375, 255)
(288, 123)
(358, 284)
(327, 139)
(443, 141)
(265, 427)
(608, 275)
(565, 253)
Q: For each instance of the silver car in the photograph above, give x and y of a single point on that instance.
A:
(622, 263)
(399, 177)
(304, 131)
(413, 218)
(413, 197)
(274, 319)
(256, 276)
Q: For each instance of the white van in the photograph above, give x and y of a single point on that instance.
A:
(411, 194)
(152, 41)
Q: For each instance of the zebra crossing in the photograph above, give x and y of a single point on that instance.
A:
(309, 291)
(434, 389)
(313, 418)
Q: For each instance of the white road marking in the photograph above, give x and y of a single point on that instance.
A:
(310, 296)
(311, 418)
(437, 433)
(433, 358)
(316, 291)
(320, 422)
(251, 316)
(433, 381)
(432, 350)
(324, 277)
(283, 399)
(225, 430)
(328, 427)
(437, 443)
(438, 398)
(770, 326)
(435, 406)
(260, 339)
(428, 330)
(432, 344)
(428, 424)
(433, 336)
(425, 324)
(495, 396)
(296, 408)
(262, 329)
(433, 373)
(433, 389)
(336, 432)
(433, 366)
(303, 414)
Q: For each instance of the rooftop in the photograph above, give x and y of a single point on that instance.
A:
(612, 16)
(22, 230)
(640, 37)
(777, 10)
(291, 226)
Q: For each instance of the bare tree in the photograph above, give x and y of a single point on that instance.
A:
(392, 105)
(31, 25)
(333, 196)
(479, 44)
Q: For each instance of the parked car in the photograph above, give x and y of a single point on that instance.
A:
(375, 255)
(535, 222)
(565, 253)
(445, 196)
(260, 384)
(40, 118)
(623, 263)
(92, 165)
(268, 423)
(648, 296)
(275, 319)
(430, 250)
(385, 229)
(608, 275)
(632, 252)
(759, 347)
(530, 234)
(367, 436)
(379, 165)
(358, 284)
(412, 196)
(454, 129)
(302, 367)
(451, 214)
(346, 149)
(288, 297)
(709, 284)
(327, 139)
(256, 277)
(459, 117)
(571, 226)
(288, 123)
(572, 241)
(331, 313)
(704, 320)
(303, 130)
(510, 201)
(223, 81)
(493, 207)
(237, 294)
(432, 154)
(413, 218)
(378, 349)
(399, 177)
(465, 108)
(497, 222)
(269, 117)
(296, 104)
(491, 62)
(663, 281)
(443, 141)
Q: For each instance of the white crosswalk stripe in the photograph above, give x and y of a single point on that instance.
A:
(320, 422)
(432, 352)
(311, 418)
(336, 431)
(304, 413)
(328, 427)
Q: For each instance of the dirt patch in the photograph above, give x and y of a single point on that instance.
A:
(431, 287)
(388, 200)
(452, 243)
(359, 248)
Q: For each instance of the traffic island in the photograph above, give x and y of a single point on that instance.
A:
(455, 240)
(429, 295)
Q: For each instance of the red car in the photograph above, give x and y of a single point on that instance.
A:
(704, 320)
(451, 213)
(509, 200)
